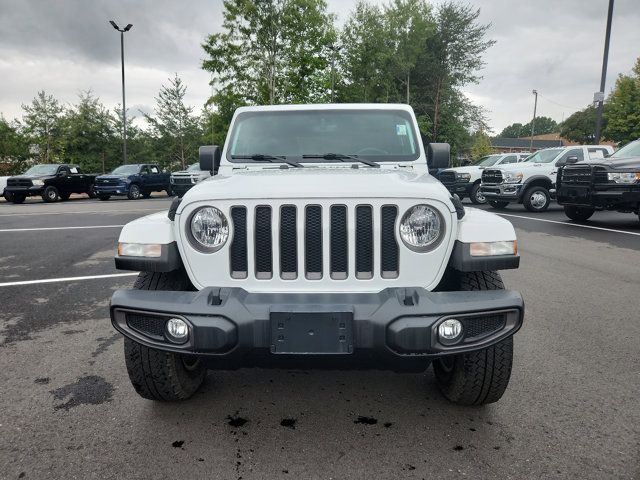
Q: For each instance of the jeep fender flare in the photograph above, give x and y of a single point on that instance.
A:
(156, 229)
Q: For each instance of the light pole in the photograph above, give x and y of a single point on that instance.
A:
(603, 77)
(335, 49)
(124, 108)
(533, 122)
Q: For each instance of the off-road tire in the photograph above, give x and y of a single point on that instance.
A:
(51, 194)
(479, 377)
(104, 197)
(134, 192)
(529, 202)
(91, 192)
(497, 204)
(579, 214)
(158, 375)
(473, 196)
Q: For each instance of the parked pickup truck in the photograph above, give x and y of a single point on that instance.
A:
(52, 182)
(465, 181)
(322, 242)
(585, 187)
(533, 181)
(133, 181)
(3, 184)
(183, 180)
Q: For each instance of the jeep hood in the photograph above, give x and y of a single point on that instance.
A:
(320, 182)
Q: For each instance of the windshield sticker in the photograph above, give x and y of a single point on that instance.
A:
(401, 130)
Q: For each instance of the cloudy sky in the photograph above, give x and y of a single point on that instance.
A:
(66, 46)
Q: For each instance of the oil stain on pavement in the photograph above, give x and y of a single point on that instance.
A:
(88, 390)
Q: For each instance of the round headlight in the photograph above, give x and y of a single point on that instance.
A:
(421, 228)
(209, 229)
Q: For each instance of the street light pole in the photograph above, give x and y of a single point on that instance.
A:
(603, 77)
(124, 108)
(533, 122)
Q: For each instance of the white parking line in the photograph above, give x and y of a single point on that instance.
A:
(82, 211)
(67, 279)
(569, 224)
(4, 230)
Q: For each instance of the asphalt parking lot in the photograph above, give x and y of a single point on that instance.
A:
(572, 409)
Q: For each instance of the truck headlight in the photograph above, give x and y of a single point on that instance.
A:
(38, 183)
(421, 228)
(463, 177)
(624, 177)
(208, 229)
(512, 177)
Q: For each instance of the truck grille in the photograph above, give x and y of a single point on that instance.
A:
(19, 182)
(492, 176)
(182, 180)
(447, 178)
(576, 175)
(109, 182)
(600, 175)
(308, 261)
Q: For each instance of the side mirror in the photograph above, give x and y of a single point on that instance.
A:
(210, 156)
(62, 173)
(438, 155)
(572, 159)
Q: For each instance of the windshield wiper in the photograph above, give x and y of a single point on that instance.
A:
(343, 157)
(261, 157)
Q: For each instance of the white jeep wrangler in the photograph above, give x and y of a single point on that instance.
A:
(322, 242)
(533, 181)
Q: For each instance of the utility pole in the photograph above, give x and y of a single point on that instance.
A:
(533, 122)
(335, 49)
(124, 108)
(599, 97)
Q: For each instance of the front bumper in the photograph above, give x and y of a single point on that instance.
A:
(604, 197)
(111, 189)
(34, 190)
(504, 192)
(459, 188)
(395, 328)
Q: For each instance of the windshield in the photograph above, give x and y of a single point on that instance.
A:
(378, 135)
(629, 150)
(194, 168)
(126, 170)
(42, 170)
(544, 156)
(488, 160)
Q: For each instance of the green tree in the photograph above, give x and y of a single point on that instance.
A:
(515, 130)
(174, 126)
(623, 108)
(43, 124)
(580, 126)
(89, 133)
(271, 51)
(14, 148)
(481, 145)
(542, 126)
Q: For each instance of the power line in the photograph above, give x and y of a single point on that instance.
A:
(558, 103)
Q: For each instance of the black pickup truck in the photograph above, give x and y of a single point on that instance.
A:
(133, 181)
(52, 182)
(584, 187)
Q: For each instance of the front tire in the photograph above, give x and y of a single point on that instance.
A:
(537, 199)
(50, 194)
(480, 377)
(158, 375)
(104, 197)
(134, 192)
(579, 214)
(477, 197)
(15, 198)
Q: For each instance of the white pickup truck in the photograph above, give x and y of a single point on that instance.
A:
(322, 242)
(465, 181)
(183, 180)
(533, 181)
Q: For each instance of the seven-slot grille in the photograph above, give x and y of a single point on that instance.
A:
(576, 175)
(492, 176)
(307, 262)
(447, 178)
